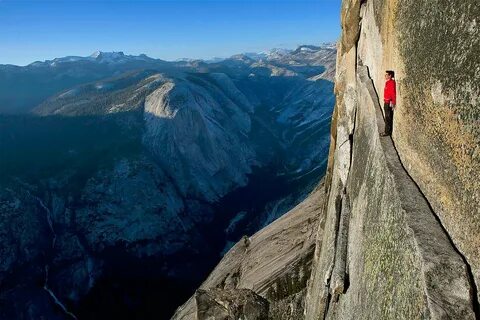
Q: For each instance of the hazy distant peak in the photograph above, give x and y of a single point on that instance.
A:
(279, 51)
(97, 56)
(107, 55)
(307, 48)
(245, 57)
(312, 48)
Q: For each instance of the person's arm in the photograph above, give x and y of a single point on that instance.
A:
(392, 94)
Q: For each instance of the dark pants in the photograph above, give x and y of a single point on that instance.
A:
(388, 118)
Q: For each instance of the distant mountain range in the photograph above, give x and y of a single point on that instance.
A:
(120, 57)
(22, 88)
(118, 167)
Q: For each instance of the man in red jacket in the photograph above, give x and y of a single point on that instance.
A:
(389, 99)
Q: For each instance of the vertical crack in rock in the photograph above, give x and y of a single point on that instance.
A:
(339, 280)
(336, 279)
(329, 275)
(49, 219)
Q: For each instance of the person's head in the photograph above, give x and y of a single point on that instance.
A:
(389, 74)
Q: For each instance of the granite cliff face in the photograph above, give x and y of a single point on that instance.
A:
(398, 232)
(402, 221)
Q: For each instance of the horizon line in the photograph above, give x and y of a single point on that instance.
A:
(280, 46)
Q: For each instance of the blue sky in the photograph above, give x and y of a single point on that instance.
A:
(40, 30)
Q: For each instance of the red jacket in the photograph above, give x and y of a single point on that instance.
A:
(390, 93)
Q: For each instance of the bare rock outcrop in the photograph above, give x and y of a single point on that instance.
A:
(203, 125)
(232, 304)
(274, 263)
